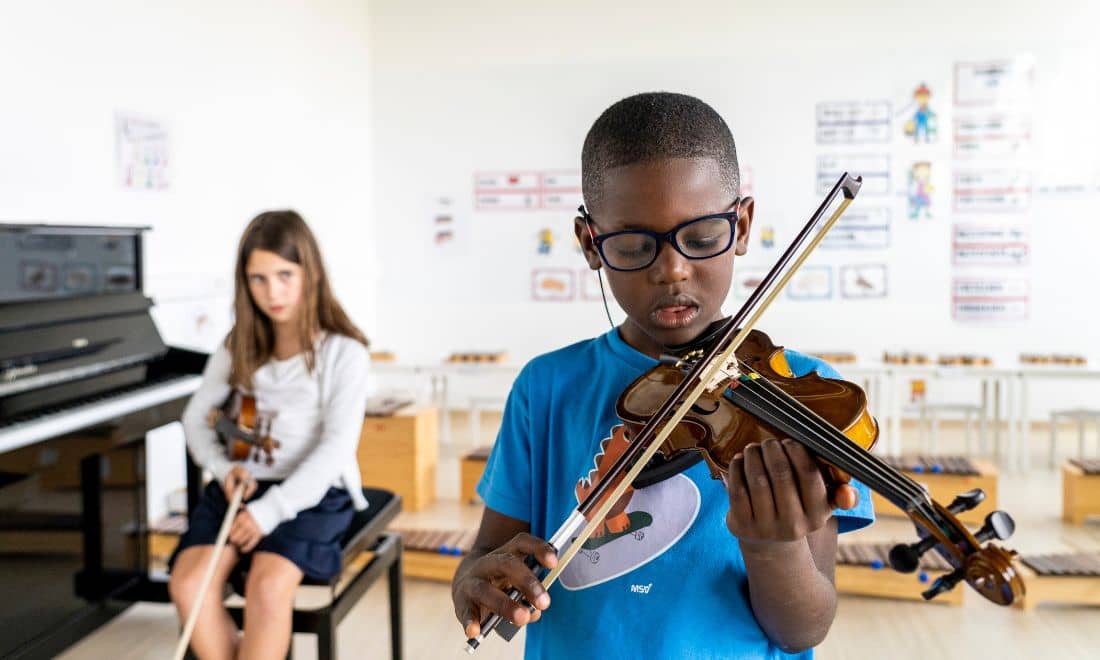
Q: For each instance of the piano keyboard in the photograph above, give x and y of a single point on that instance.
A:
(25, 430)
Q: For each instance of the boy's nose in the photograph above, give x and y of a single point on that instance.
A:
(670, 266)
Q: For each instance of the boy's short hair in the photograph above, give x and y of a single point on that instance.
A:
(652, 126)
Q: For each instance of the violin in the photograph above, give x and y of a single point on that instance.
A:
(243, 429)
(737, 390)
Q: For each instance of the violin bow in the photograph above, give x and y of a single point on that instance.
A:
(705, 375)
(219, 545)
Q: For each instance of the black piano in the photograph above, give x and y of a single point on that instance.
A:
(84, 374)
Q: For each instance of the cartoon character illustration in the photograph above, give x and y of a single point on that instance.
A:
(546, 241)
(920, 190)
(767, 237)
(618, 522)
(923, 123)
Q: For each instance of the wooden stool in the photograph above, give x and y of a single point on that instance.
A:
(945, 477)
(863, 569)
(1066, 578)
(434, 554)
(1080, 490)
(400, 453)
(471, 468)
(367, 550)
(1078, 415)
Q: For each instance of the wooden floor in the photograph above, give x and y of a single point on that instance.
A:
(864, 627)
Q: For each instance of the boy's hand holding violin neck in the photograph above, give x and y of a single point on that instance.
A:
(778, 495)
(482, 588)
(245, 533)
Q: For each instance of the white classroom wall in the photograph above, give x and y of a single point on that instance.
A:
(495, 86)
(267, 106)
(498, 86)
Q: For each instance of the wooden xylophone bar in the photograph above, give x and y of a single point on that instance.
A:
(956, 465)
(1070, 578)
(435, 554)
(863, 569)
(1088, 465)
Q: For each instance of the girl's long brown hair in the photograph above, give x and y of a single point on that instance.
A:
(251, 342)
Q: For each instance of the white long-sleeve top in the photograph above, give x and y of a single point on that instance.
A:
(318, 419)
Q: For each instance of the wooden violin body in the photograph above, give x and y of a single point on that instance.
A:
(718, 429)
(245, 430)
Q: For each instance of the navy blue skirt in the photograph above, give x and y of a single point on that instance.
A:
(311, 540)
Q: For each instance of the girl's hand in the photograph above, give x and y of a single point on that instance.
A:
(777, 494)
(245, 533)
(238, 474)
(483, 589)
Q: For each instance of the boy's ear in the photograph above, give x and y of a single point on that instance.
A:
(744, 224)
(584, 237)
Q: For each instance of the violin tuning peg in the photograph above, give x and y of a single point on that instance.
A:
(998, 525)
(966, 501)
(906, 558)
(944, 583)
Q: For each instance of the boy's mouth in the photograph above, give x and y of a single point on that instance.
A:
(676, 313)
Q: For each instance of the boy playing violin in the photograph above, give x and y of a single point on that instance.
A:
(691, 566)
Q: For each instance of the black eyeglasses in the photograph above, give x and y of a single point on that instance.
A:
(635, 249)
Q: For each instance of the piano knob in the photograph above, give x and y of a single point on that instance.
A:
(966, 501)
(944, 583)
(906, 558)
(998, 525)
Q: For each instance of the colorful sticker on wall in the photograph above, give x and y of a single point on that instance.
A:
(922, 125)
(552, 284)
(990, 245)
(142, 147)
(866, 227)
(863, 281)
(918, 389)
(546, 241)
(977, 299)
(811, 283)
(993, 135)
(767, 237)
(874, 168)
(550, 190)
(1005, 82)
(853, 122)
(920, 190)
(992, 191)
(590, 284)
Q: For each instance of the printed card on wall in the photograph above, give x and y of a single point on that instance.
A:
(992, 191)
(811, 283)
(999, 82)
(874, 168)
(550, 190)
(853, 122)
(990, 245)
(552, 285)
(989, 299)
(860, 228)
(142, 147)
(863, 281)
(745, 280)
(921, 123)
(993, 135)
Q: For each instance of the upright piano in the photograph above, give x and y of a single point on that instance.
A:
(84, 374)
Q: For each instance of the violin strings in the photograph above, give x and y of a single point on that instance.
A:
(877, 480)
(832, 439)
(836, 440)
(844, 444)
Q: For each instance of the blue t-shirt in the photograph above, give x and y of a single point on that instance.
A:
(668, 581)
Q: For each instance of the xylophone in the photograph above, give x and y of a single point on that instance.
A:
(904, 358)
(834, 357)
(1080, 490)
(945, 476)
(434, 554)
(1053, 358)
(1071, 578)
(493, 357)
(863, 569)
(964, 359)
